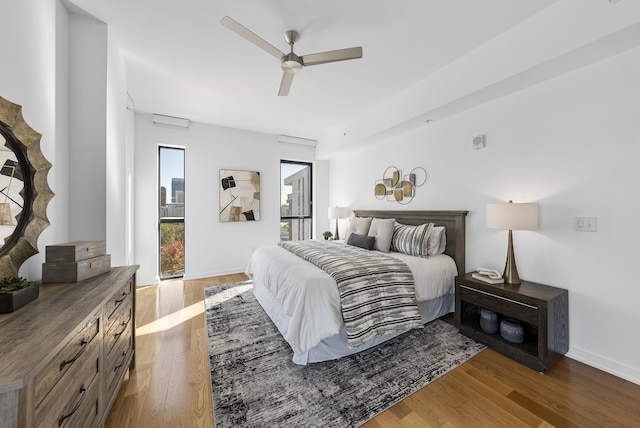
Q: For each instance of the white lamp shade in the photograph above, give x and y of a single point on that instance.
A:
(339, 212)
(512, 216)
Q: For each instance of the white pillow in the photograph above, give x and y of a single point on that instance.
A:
(382, 229)
(443, 241)
(437, 241)
(359, 225)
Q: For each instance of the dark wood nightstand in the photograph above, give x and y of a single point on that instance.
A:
(542, 310)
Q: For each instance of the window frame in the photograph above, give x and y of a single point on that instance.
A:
(168, 219)
(309, 217)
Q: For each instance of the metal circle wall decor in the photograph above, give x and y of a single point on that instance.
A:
(397, 188)
(420, 176)
(389, 181)
(31, 169)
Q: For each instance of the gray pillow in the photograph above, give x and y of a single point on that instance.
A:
(382, 229)
(361, 241)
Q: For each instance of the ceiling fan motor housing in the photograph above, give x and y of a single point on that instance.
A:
(291, 63)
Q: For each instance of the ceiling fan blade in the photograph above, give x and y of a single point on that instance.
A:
(285, 84)
(251, 36)
(332, 56)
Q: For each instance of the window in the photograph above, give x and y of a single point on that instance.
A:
(296, 200)
(171, 212)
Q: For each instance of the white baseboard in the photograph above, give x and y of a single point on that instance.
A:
(201, 275)
(623, 371)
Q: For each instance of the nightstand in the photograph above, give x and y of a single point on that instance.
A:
(541, 309)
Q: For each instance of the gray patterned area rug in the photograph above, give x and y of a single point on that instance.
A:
(255, 383)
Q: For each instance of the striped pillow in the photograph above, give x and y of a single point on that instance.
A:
(411, 240)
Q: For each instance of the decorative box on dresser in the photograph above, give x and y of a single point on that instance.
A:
(64, 356)
(542, 310)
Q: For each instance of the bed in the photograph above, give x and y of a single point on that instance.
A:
(304, 303)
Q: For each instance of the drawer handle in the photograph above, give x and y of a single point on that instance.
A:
(83, 392)
(124, 328)
(124, 296)
(83, 347)
(124, 357)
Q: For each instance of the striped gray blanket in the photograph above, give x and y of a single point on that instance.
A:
(377, 291)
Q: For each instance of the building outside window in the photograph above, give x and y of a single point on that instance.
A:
(171, 212)
(296, 200)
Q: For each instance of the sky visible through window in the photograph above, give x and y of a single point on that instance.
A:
(171, 166)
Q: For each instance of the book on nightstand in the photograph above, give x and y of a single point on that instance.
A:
(485, 278)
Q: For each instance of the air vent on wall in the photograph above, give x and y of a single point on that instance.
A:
(159, 119)
(297, 140)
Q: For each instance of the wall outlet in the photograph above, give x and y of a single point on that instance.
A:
(585, 224)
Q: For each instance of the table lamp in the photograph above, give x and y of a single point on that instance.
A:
(338, 213)
(511, 217)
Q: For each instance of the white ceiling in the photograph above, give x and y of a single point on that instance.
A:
(180, 61)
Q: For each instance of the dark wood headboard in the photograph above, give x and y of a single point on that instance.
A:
(453, 221)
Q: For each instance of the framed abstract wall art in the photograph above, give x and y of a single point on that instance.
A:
(239, 195)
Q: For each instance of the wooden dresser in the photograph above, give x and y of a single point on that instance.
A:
(64, 356)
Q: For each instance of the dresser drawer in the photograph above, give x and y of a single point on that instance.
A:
(121, 313)
(68, 403)
(118, 362)
(121, 298)
(69, 357)
(84, 413)
(118, 330)
(504, 305)
(89, 413)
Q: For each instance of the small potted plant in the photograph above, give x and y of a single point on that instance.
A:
(327, 234)
(16, 292)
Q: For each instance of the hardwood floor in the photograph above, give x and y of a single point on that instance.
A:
(170, 386)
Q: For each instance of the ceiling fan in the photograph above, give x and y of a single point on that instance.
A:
(291, 63)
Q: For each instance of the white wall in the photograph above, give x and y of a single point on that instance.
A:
(211, 247)
(119, 169)
(321, 198)
(571, 145)
(129, 182)
(34, 74)
(88, 128)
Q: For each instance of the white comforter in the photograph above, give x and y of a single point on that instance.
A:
(310, 296)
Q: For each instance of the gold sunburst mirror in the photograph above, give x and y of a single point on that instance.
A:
(24, 190)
